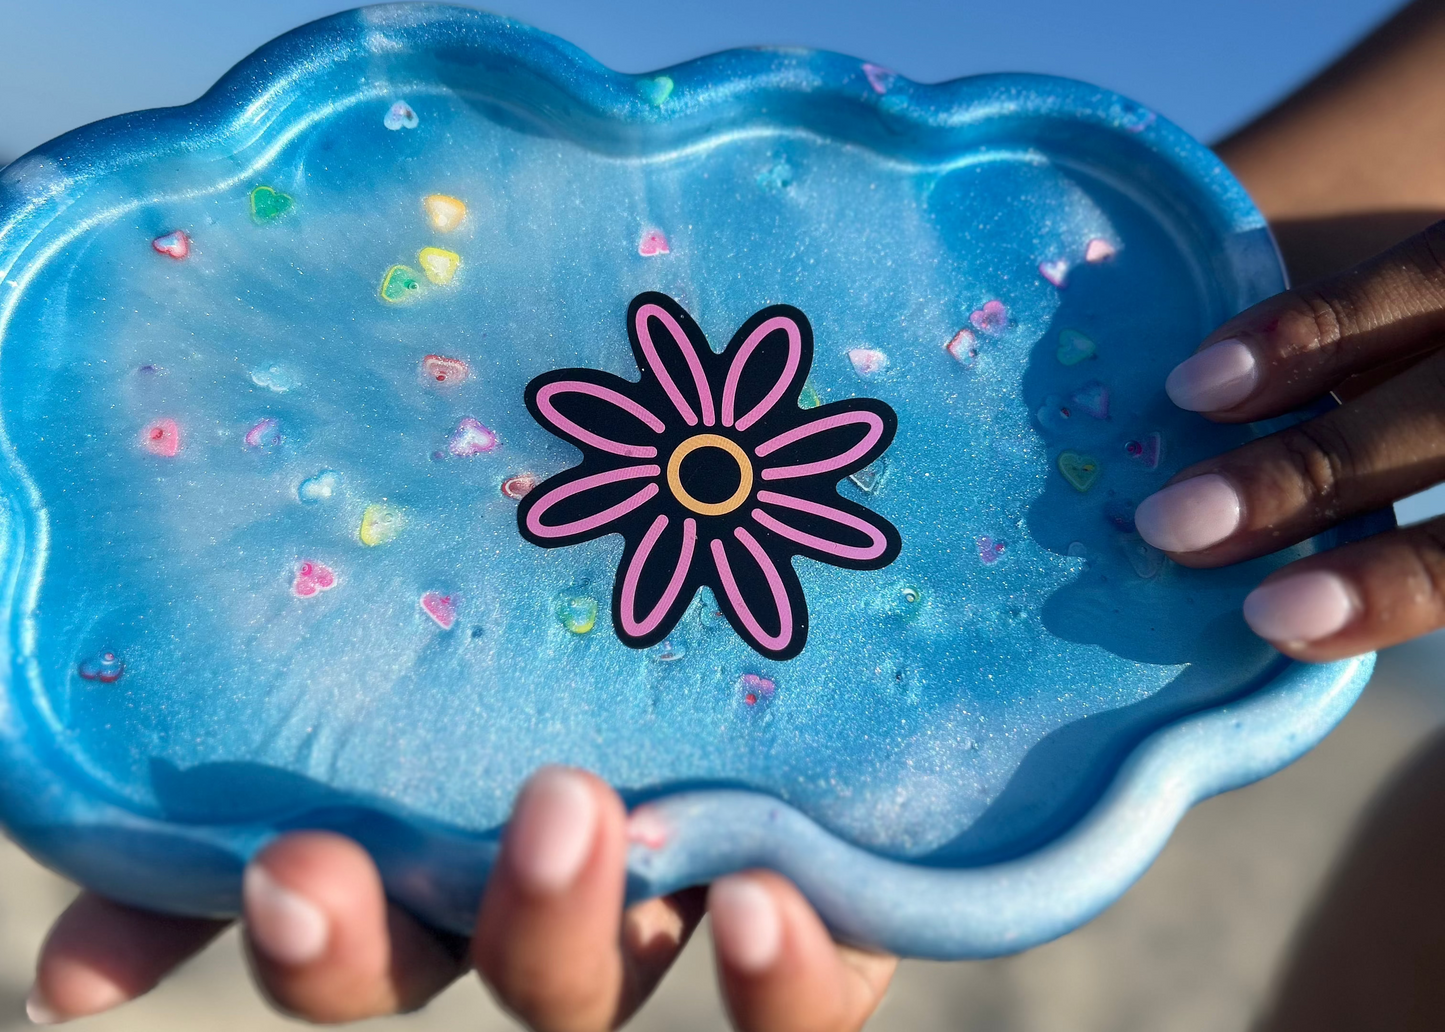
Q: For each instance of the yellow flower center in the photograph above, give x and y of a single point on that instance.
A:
(745, 474)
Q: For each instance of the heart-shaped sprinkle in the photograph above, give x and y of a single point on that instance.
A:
(963, 347)
(175, 244)
(656, 90)
(320, 488)
(1148, 450)
(646, 827)
(808, 397)
(653, 242)
(1120, 514)
(380, 523)
(1079, 470)
(150, 370)
(400, 116)
(275, 377)
(1074, 348)
(441, 608)
(878, 77)
(519, 485)
(161, 437)
(757, 688)
(667, 652)
(777, 176)
(268, 203)
(1056, 271)
(991, 318)
(444, 370)
(1092, 399)
(400, 285)
(445, 213)
(578, 614)
(867, 361)
(471, 438)
(1145, 559)
(1053, 414)
(105, 667)
(1099, 250)
(990, 550)
(265, 434)
(438, 264)
(312, 577)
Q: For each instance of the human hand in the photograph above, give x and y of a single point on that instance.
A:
(1373, 335)
(553, 941)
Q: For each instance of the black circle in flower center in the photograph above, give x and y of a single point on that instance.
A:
(710, 475)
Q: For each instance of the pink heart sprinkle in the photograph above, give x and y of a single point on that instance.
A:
(1056, 271)
(963, 347)
(652, 242)
(1148, 451)
(161, 437)
(1099, 250)
(645, 827)
(471, 438)
(265, 434)
(879, 78)
(1093, 399)
(867, 361)
(441, 369)
(757, 687)
(989, 550)
(991, 318)
(519, 485)
(441, 608)
(312, 577)
(176, 244)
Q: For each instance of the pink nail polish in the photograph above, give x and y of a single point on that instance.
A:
(1215, 379)
(552, 831)
(1190, 515)
(284, 925)
(1300, 608)
(746, 924)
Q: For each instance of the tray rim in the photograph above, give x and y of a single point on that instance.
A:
(894, 904)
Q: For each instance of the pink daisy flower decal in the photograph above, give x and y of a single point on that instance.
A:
(712, 474)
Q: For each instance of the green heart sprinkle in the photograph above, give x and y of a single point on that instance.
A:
(1079, 470)
(1074, 348)
(808, 398)
(400, 284)
(268, 203)
(657, 90)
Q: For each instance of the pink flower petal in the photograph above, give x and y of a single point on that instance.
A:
(871, 420)
(547, 406)
(627, 606)
(740, 360)
(778, 609)
(877, 543)
(590, 524)
(642, 323)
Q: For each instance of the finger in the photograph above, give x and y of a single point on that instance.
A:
(550, 934)
(1299, 345)
(1359, 598)
(780, 971)
(1291, 485)
(324, 942)
(100, 954)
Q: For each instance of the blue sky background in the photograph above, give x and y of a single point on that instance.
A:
(1207, 64)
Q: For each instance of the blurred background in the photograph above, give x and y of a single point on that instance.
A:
(1198, 942)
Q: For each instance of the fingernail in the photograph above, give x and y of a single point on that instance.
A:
(1300, 608)
(1189, 515)
(38, 1009)
(745, 923)
(1215, 379)
(284, 925)
(552, 831)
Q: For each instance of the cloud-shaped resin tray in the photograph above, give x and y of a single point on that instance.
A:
(427, 403)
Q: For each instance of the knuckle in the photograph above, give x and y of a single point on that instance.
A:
(1311, 321)
(1432, 249)
(1320, 461)
(1428, 553)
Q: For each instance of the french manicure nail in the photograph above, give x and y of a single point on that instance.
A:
(745, 922)
(284, 925)
(552, 832)
(38, 1009)
(1300, 608)
(1215, 379)
(1190, 515)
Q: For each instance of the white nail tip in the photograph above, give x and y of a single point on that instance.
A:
(1217, 378)
(556, 828)
(1299, 609)
(38, 1010)
(746, 924)
(284, 925)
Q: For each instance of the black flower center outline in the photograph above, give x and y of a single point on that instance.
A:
(712, 473)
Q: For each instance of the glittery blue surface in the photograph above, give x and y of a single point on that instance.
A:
(982, 744)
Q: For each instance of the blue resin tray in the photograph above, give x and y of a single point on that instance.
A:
(427, 403)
